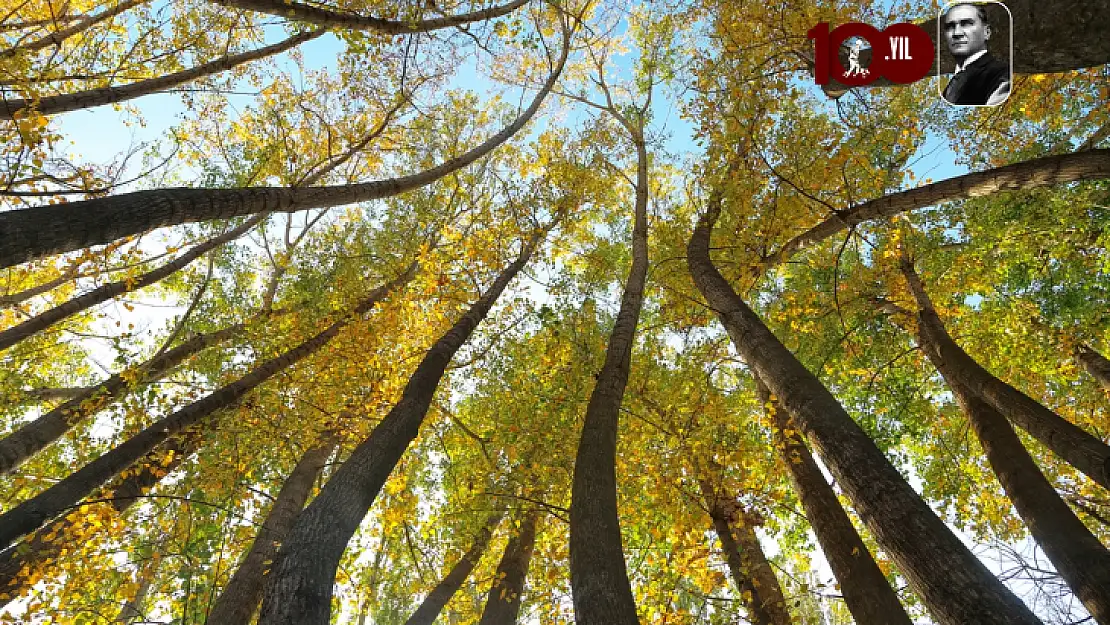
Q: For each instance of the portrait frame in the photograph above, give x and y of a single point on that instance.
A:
(996, 12)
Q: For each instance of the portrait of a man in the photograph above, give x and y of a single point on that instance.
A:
(980, 77)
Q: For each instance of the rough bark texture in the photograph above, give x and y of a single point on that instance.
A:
(1095, 363)
(327, 17)
(239, 599)
(1039, 47)
(32, 437)
(438, 598)
(865, 589)
(955, 586)
(39, 551)
(33, 513)
(507, 590)
(300, 586)
(755, 580)
(598, 575)
(52, 105)
(1031, 174)
(101, 294)
(37, 232)
(1076, 446)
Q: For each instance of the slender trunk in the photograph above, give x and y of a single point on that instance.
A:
(756, 583)
(1079, 448)
(956, 587)
(83, 24)
(33, 233)
(239, 599)
(1095, 363)
(21, 565)
(865, 589)
(33, 513)
(32, 437)
(438, 598)
(52, 105)
(132, 609)
(598, 576)
(1031, 174)
(7, 301)
(300, 586)
(99, 295)
(336, 19)
(507, 590)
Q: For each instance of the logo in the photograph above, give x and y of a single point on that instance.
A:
(901, 53)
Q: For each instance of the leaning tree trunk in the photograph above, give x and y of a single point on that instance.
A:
(56, 38)
(755, 580)
(598, 577)
(507, 590)
(99, 295)
(1076, 446)
(33, 233)
(956, 587)
(300, 586)
(1095, 363)
(865, 589)
(239, 599)
(301, 12)
(33, 513)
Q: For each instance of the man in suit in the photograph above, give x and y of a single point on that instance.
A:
(980, 78)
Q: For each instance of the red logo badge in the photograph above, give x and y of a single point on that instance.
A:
(901, 53)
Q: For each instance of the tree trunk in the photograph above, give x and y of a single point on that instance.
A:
(507, 591)
(755, 580)
(52, 105)
(1031, 174)
(1079, 448)
(956, 587)
(239, 599)
(598, 576)
(101, 294)
(32, 437)
(33, 233)
(336, 19)
(1095, 363)
(19, 564)
(132, 609)
(33, 513)
(83, 24)
(438, 598)
(300, 586)
(865, 589)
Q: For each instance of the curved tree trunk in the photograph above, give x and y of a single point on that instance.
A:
(299, 589)
(956, 587)
(598, 575)
(1079, 448)
(438, 598)
(865, 589)
(33, 513)
(1095, 363)
(756, 583)
(335, 19)
(99, 295)
(239, 599)
(52, 105)
(507, 591)
(33, 233)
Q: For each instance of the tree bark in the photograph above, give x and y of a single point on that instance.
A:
(336, 19)
(52, 105)
(33, 513)
(99, 295)
(598, 575)
(1038, 172)
(239, 599)
(507, 591)
(438, 598)
(300, 586)
(31, 438)
(755, 580)
(955, 586)
(33, 233)
(1095, 363)
(1067, 440)
(865, 589)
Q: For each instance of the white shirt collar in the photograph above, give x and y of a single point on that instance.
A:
(969, 60)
